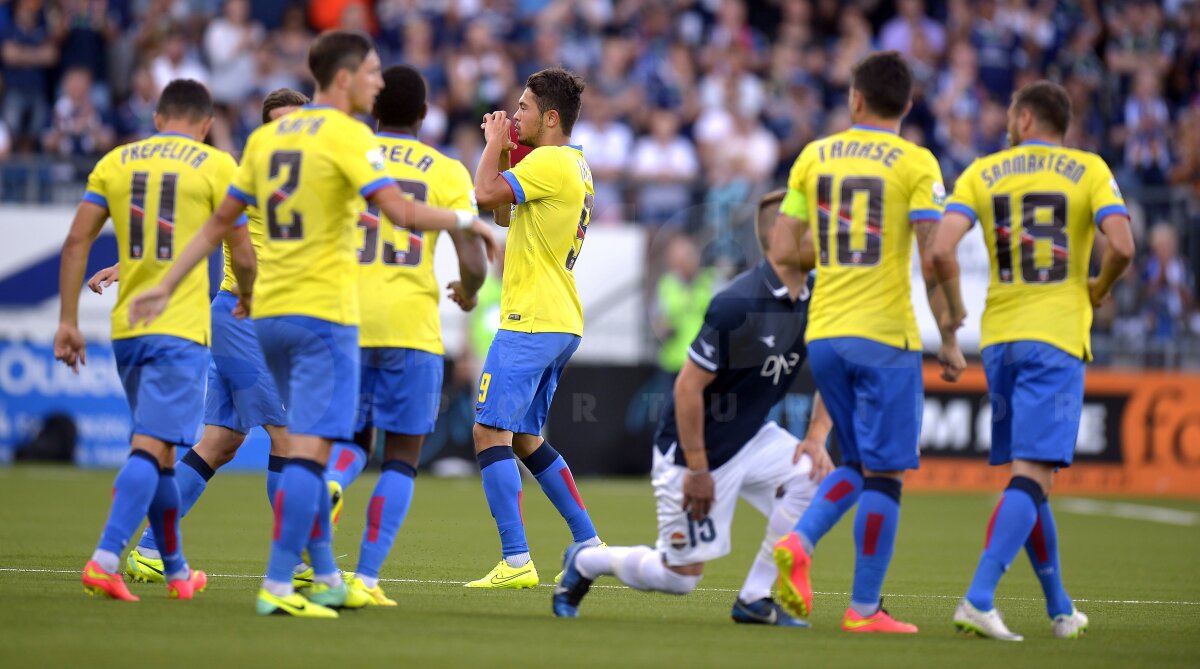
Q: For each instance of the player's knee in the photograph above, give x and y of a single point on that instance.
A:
(486, 437)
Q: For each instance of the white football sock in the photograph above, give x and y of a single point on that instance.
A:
(517, 561)
(642, 568)
(369, 581)
(278, 588)
(759, 580)
(108, 560)
(593, 563)
(332, 580)
(149, 553)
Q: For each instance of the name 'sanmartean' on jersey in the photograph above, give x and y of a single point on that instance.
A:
(159, 192)
(398, 289)
(1038, 204)
(307, 173)
(554, 196)
(864, 188)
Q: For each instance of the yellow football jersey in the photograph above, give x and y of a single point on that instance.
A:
(864, 188)
(398, 291)
(254, 221)
(159, 192)
(1039, 205)
(553, 189)
(307, 172)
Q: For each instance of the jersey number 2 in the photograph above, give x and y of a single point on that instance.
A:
(872, 251)
(1054, 231)
(370, 222)
(275, 228)
(166, 216)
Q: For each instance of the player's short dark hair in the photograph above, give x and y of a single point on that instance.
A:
(281, 97)
(401, 103)
(764, 218)
(336, 50)
(885, 81)
(185, 98)
(558, 89)
(1048, 102)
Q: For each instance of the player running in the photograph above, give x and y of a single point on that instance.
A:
(868, 192)
(307, 171)
(158, 193)
(1039, 204)
(401, 333)
(240, 394)
(541, 316)
(715, 444)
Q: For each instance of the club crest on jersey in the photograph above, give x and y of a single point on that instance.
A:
(375, 158)
(1115, 188)
(679, 541)
(939, 193)
(778, 365)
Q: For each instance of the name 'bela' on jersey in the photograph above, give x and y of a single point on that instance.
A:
(397, 288)
(307, 173)
(1038, 204)
(553, 190)
(159, 192)
(861, 190)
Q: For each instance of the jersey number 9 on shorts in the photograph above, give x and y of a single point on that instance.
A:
(485, 382)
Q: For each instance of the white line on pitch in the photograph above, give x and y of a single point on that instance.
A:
(621, 587)
(1154, 514)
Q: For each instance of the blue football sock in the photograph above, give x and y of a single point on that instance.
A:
(346, 462)
(385, 515)
(133, 490)
(320, 542)
(301, 487)
(275, 465)
(834, 497)
(875, 527)
(551, 471)
(192, 476)
(502, 487)
(1012, 522)
(1042, 548)
(164, 514)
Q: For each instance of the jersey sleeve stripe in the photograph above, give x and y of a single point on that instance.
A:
(962, 209)
(373, 187)
(924, 215)
(700, 360)
(515, 185)
(1111, 210)
(243, 196)
(100, 201)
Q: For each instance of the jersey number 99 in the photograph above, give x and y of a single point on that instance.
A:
(370, 222)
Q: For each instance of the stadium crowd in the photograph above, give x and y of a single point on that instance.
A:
(693, 108)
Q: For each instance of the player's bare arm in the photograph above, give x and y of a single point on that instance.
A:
(69, 345)
(1117, 256)
(938, 244)
(698, 486)
(245, 268)
(104, 278)
(815, 438)
(492, 192)
(404, 212)
(472, 270)
(149, 305)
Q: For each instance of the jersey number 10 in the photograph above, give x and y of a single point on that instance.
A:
(872, 251)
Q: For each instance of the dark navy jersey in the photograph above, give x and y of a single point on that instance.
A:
(753, 340)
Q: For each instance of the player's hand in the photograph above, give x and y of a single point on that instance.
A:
(698, 493)
(1095, 294)
(822, 464)
(146, 307)
(489, 239)
(458, 295)
(103, 279)
(241, 310)
(952, 322)
(495, 128)
(951, 358)
(69, 346)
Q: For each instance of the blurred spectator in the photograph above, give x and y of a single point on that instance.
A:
(177, 62)
(29, 52)
(913, 33)
(90, 25)
(483, 75)
(229, 47)
(289, 47)
(330, 14)
(681, 299)
(960, 151)
(1136, 40)
(135, 118)
(607, 143)
(1144, 133)
(77, 128)
(1000, 50)
(1167, 297)
(664, 166)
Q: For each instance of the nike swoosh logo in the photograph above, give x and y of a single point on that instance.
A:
(498, 580)
(856, 624)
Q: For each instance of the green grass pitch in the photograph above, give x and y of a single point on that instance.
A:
(1136, 579)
